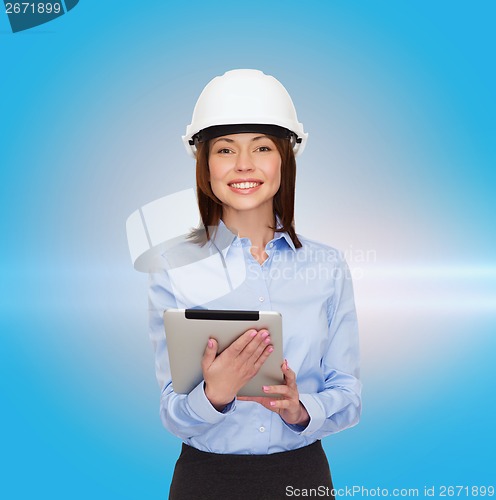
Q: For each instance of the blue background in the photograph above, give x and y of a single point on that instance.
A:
(399, 102)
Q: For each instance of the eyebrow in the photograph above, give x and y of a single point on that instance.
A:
(232, 140)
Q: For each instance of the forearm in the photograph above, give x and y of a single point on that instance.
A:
(189, 415)
(332, 410)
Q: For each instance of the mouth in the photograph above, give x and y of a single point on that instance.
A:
(245, 185)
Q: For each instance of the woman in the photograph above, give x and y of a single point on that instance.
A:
(245, 135)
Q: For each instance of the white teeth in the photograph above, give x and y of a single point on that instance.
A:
(244, 185)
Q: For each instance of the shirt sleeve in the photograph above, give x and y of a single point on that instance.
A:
(338, 405)
(185, 415)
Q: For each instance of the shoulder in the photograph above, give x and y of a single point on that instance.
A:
(179, 252)
(186, 251)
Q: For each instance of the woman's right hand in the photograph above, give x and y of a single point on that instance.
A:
(225, 374)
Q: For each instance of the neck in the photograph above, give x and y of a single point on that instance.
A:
(253, 224)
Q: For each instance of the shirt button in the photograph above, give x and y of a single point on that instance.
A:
(271, 245)
(261, 429)
(261, 299)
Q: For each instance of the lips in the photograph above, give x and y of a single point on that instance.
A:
(241, 184)
(244, 185)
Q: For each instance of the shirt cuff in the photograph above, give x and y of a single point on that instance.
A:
(315, 412)
(200, 404)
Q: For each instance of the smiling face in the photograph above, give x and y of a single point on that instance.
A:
(245, 172)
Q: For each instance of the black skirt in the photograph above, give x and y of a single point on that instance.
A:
(199, 475)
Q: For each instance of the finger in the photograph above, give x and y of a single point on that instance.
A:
(289, 375)
(263, 357)
(253, 350)
(242, 341)
(209, 354)
(256, 345)
(281, 404)
(282, 390)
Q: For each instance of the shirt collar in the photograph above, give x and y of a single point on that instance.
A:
(224, 238)
(285, 236)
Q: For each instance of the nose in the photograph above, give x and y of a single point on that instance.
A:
(244, 162)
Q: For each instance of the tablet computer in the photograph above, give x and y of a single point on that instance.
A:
(187, 332)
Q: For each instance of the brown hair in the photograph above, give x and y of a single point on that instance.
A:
(211, 207)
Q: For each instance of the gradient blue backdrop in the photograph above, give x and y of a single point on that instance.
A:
(399, 102)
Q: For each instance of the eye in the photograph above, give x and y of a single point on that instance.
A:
(263, 149)
(224, 151)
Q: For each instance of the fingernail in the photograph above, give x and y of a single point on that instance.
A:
(210, 343)
(265, 388)
(272, 403)
(267, 340)
(253, 333)
(265, 334)
(270, 349)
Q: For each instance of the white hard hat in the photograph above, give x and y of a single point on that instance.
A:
(244, 100)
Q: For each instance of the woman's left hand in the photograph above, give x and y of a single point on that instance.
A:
(288, 406)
